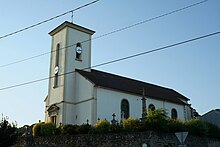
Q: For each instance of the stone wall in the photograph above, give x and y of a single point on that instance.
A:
(150, 138)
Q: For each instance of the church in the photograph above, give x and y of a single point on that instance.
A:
(78, 94)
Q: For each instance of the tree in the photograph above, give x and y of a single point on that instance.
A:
(8, 135)
(156, 120)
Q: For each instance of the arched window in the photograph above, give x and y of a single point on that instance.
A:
(151, 107)
(124, 109)
(174, 114)
(57, 54)
(56, 65)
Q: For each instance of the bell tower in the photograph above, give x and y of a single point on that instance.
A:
(70, 50)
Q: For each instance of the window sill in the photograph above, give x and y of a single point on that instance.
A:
(55, 87)
(78, 59)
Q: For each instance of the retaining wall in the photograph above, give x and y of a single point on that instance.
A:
(151, 139)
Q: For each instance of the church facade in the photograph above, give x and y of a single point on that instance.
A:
(78, 94)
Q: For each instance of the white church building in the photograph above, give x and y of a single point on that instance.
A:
(78, 94)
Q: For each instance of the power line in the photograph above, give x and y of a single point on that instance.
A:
(47, 20)
(157, 49)
(151, 19)
(120, 59)
(109, 33)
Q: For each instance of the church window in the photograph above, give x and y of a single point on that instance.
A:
(57, 54)
(125, 109)
(174, 114)
(151, 107)
(78, 51)
(56, 65)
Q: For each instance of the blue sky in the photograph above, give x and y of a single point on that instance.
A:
(192, 69)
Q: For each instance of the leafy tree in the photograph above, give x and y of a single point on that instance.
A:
(212, 130)
(156, 120)
(8, 135)
(196, 127)
(176, 125)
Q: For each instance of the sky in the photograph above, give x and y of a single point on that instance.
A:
(192, 69)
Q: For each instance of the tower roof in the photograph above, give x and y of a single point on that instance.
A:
(73, 26)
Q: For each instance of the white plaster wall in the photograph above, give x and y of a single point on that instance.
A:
(83, 112)
(81, 108)
(168, 106)
(78, 113)
(84, 100)
(56, 94)
(60, 114)
(84, 89)
(73, 37)
(109, 102)
(74, 90)
(70, 113)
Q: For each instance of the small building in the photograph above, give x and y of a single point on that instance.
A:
(212, 116)
(77, 93)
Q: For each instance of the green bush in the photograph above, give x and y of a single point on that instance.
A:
(156, 120)
(196, 127)
(84, 129)
(37, 129)
(48, 129)
(175, 125)
(212, 130)
(116, 128)
(44, 129)
(69, 129)
(131, 125)
(102, 126)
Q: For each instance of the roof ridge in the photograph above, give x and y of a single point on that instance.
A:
(131, 79)
(126, 84)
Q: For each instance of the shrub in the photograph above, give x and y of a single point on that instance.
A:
(131, 125)
(37, 129)
(156, 120)
(102, 126)
(115, 128)
(84, 129)
(8, 135)
(175, 125)
(48, 129)
(44, 129)
(69, 129)
(196, 127)
(212, 130)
